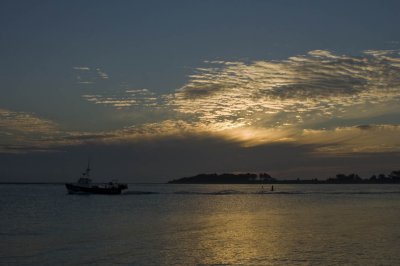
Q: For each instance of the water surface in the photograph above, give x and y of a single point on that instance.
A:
(201, 225)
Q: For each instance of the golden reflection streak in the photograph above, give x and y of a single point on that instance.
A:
(227, 232)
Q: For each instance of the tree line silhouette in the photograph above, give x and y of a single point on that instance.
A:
(265, 178)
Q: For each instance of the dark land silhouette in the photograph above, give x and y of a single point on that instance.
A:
(264, 178)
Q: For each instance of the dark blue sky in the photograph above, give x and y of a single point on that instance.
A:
(85, 68)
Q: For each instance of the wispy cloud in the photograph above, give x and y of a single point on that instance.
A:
(22, 129)
(355, 139)
(27, 132)
(101, 74)
(11, 121)
(82, 68)
(89, 75)
(276, 101)
(142, 98)
(302, 89)
(317, 99)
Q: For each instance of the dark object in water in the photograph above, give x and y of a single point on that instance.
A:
(85, 186)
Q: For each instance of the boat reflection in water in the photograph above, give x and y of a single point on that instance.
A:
(85, 186)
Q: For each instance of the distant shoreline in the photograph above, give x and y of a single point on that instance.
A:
(280, 182)
(289, 182)
(32, 183)
(260, 179)
(264, 178)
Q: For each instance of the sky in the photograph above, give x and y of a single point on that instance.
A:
(156, 90)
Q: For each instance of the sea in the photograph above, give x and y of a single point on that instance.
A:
(172, 224)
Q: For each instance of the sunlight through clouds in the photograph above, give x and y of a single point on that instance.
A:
(301, 100)
(364, 138)
(298, 90)
(319, 98)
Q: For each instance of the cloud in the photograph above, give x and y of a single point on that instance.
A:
(22, 129)
(101, 74)
(163, 159)
(24, 132)
(300, 90)
(147, 160)
(285, 101)
(318, 113)
(27, 132)
(139, 98)
(82, 68)
(89, 75)
(109, 100)
(84, 82)
(11, 121)
(317, 99)
(355, 139)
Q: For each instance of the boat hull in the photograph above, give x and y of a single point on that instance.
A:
(76, 189)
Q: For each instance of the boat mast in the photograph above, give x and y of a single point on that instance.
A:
(88, 169)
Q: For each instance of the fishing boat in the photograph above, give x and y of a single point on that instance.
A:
(84, 185)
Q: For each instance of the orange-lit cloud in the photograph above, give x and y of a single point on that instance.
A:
(128, 98)
(23, 130)
(299, 90)
(319, 98)
(356, 139)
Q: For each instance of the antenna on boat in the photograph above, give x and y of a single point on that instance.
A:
(88, 168)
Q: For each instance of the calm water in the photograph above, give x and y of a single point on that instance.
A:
(201, 225)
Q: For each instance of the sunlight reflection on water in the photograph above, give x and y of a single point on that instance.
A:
(329, 225)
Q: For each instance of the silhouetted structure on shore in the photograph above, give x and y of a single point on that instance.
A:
(225, 179)
(393, 177)
(264, 178)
